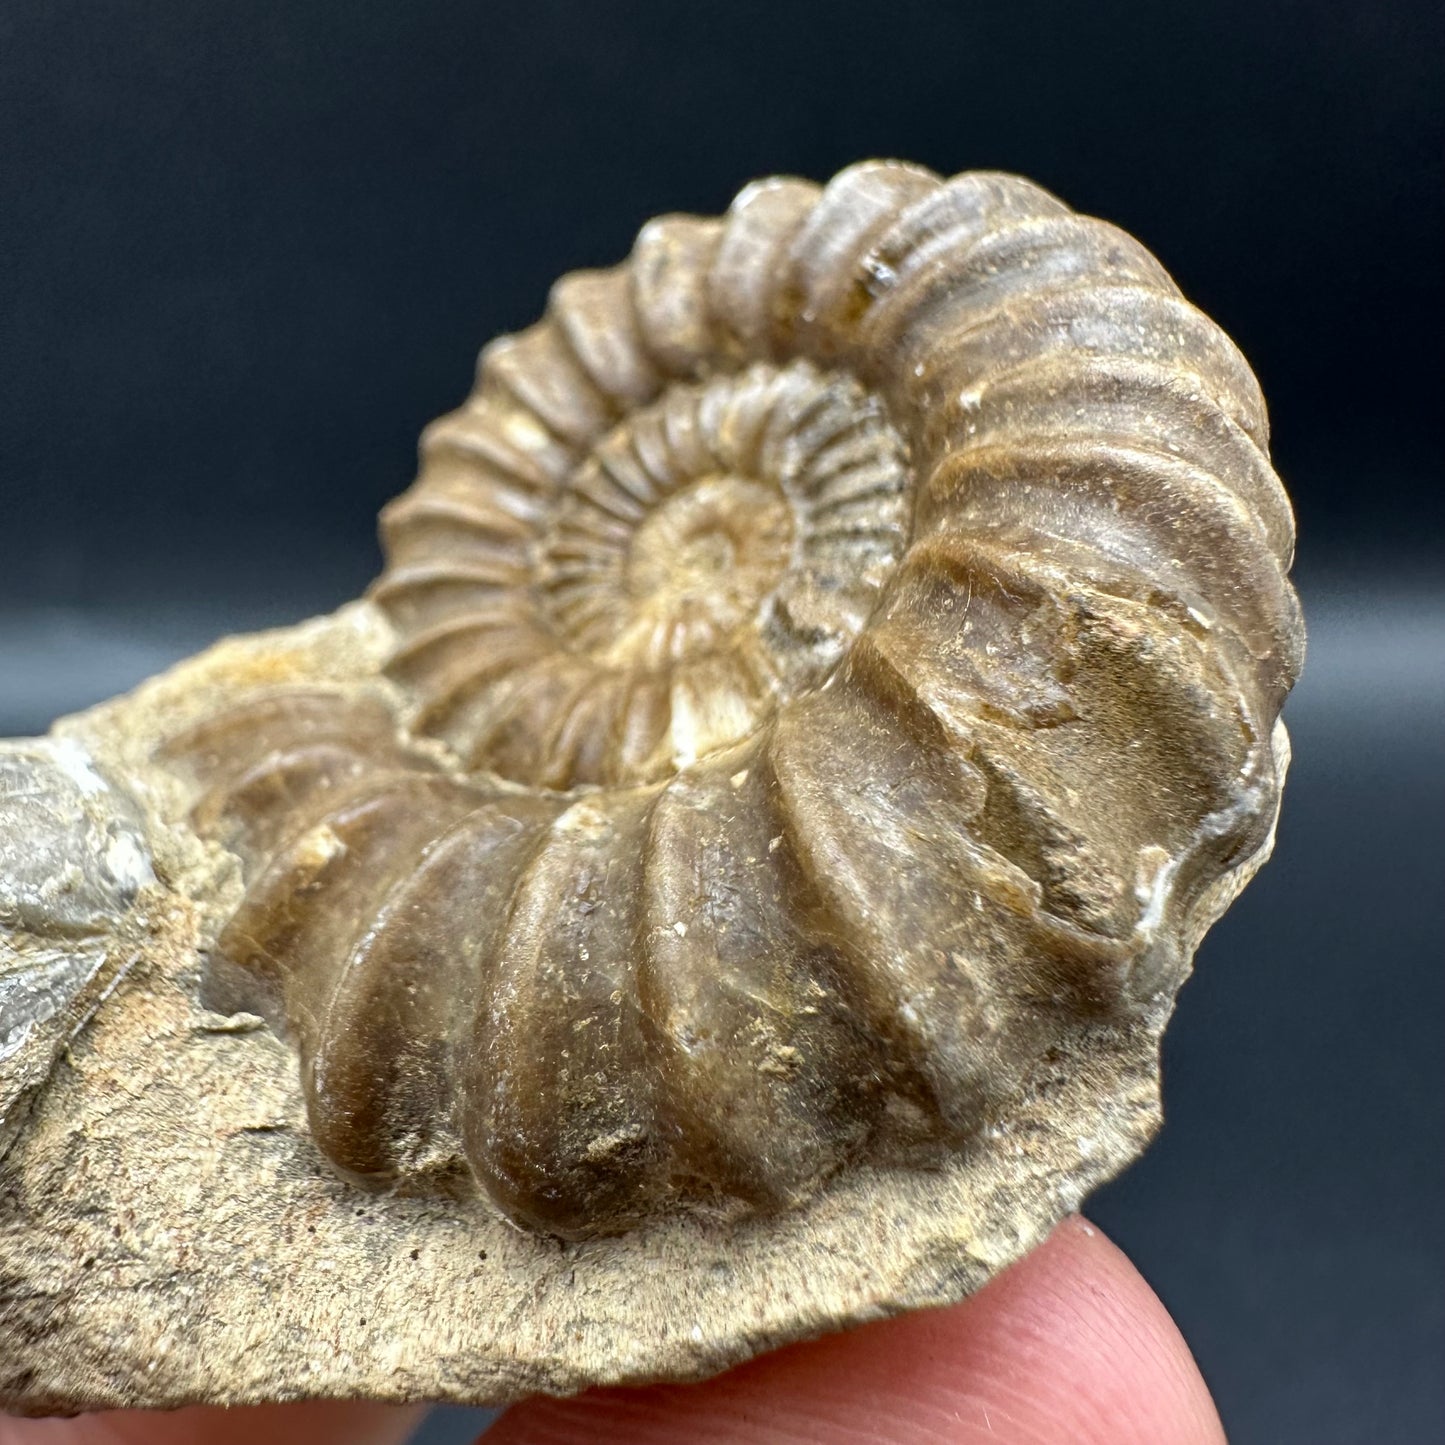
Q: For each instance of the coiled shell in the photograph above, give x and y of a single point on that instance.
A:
(842, 645)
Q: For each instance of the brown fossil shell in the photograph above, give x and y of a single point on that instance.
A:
(842, 644)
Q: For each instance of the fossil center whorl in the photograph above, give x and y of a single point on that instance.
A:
(691, 573)
(712, 555)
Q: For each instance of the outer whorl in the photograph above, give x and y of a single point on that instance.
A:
(842, 649)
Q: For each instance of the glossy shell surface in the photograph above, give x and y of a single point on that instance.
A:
(839, 652)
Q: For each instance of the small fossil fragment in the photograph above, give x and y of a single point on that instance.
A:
(72, 859)
(824, 682)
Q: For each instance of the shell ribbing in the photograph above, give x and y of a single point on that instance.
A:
(856, 627)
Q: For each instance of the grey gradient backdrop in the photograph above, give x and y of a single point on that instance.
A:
(247, 251)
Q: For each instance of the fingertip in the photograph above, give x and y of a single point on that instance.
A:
(1077, 1331)
(1070, 1344)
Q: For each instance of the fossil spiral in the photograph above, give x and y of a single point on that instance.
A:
(840, 646)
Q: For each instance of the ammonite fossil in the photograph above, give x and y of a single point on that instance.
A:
(841, 649)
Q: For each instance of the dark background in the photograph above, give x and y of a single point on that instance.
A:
(247, 250)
